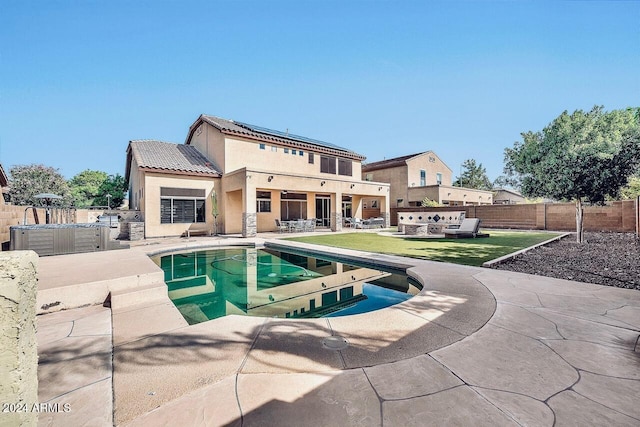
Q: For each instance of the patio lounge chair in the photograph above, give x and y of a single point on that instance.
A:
(357, 223)
(469, 227)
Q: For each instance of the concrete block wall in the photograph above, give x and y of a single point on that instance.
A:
(619, 216)
(18, 344)
(14, 215)
(506, 216)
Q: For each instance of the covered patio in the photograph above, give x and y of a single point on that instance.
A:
(286, 202)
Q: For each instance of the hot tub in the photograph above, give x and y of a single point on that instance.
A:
(59, 239)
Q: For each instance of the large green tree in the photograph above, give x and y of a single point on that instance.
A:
(30, 180)
(114, 185)
(632, 189)
(583, 156)
(85, 187)
(473, 175)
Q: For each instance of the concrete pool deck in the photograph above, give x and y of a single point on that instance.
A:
(475, 347)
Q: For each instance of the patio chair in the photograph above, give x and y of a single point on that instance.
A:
(310, 224)
(469, 227)
(281, 227)
(298, 226)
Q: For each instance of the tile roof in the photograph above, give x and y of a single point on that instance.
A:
(4, 180)
(167, 156)
(262, 133)
(508, 190)
(389, 163)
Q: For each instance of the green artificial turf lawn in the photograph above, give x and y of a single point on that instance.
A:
(458, 251)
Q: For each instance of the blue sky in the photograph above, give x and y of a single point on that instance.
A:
(79, 79)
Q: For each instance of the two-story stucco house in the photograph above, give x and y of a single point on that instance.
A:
(421, 175)
(4, 182)
(256, 175)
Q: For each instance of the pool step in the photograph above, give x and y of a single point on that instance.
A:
(143, 313)
(148, 294)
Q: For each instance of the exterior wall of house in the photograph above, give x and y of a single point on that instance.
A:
(242, 186)
(243, 153)
(233, 153)
(247, 168)
(211, 143)
(136, 186)
(432, 165)
(153, 182)
(397, 178)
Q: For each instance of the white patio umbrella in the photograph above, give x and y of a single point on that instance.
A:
(47, 198)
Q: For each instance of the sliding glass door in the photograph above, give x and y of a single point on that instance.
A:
(323, 211)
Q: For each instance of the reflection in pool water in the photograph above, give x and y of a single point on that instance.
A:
(205, 285)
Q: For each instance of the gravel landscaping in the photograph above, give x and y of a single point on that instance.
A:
(611, 259)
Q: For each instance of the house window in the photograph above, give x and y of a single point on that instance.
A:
(423, 178)
(294, 152)
(344, 167)
(262, 146)
(174, 211)
(439, 178)
(328, 164)
(286, 151)
(293, 206)
(300, 153)
(263, 201)
(346, 293)
(310, 158)
(182, 205)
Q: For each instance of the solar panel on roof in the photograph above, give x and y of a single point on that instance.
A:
(277, 133)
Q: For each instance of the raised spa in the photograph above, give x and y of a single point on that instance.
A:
(208, 284)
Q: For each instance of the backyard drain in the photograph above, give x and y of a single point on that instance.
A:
(335, 343)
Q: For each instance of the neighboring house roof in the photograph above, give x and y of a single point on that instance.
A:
(389, 163)
(396, 161)
(4, 180)
(166, 156)
(508, 190)
(233, 127)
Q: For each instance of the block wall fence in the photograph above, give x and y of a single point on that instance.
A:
(619, 216)
(14, 215)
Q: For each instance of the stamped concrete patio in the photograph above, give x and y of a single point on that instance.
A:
(475, 347)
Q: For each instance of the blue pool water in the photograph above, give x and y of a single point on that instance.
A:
(206, 285)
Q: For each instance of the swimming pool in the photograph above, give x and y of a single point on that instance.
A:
(209, 284)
